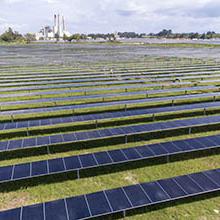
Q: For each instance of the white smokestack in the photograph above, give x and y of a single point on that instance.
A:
(64, 28)
(55, 24)
(59, 25)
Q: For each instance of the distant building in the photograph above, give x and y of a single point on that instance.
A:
(56, 33)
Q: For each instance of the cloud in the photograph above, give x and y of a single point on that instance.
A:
(111, 15)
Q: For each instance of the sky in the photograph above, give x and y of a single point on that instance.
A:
(105, 16)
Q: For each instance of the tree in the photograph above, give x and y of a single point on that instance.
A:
(11, 36)
(30, 37)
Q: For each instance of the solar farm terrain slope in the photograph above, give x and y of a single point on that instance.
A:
(109, 131)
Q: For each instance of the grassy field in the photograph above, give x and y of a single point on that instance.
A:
(79, 61)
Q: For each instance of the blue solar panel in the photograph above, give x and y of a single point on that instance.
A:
(87, 160)
(98, 204)
(117, 155)
(56, 165)
(72, 163)
(118, 199)
(51, 210)
(11, 215)
(22, 170)
(136, 195)
(69, 137)
(56, 139)
(145, 151)
(131, 153)
(61, 165)
(14, 144)
(43, 141)
(5, 173)
(158, 149)
(213, 175)
(204, 182)
(39, 168)
(29, 142)
(77, 207)
(172, 188)
(103, 158)
(34, 212)
(188, 185)
(155, 192)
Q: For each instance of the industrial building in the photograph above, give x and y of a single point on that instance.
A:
(57, 32)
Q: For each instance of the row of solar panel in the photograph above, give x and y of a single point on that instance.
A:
(107, 158)
(108, 76)
(100, 116)
(138, 79)
(106, 133)
(90, 90)
(92, 76)
(87, 97)
(213, 95)
(77, 82)
(121, 199)
(81, 72)
(69, 85)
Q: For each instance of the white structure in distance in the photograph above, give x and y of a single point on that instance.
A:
(56, 33)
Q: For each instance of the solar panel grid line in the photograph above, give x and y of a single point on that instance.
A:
(155, 154)
(115, 103)
(7, 126)
(145, 128)
(159, 200)
(106, 89)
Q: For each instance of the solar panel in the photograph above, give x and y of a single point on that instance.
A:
(77, 207)
(34, 212)
(118, 199)
(99, 159)
(11, 214)
(51, 209)
(98, 204)
(111, 103)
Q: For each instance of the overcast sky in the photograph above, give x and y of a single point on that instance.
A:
(86, 16)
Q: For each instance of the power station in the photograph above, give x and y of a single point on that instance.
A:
(56, 33)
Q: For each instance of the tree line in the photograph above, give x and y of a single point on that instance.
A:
(10, 36)
(192, 35)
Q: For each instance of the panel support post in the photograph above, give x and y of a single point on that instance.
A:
(48, 149)
(28, 132)
(78, 174)
(103, 99)
(126, 139)
(190, 130)
(168, 158)
(126, 90)
(153, 117)
(172, 102)
(124, 214)
(147, 95)
(214, 98)
(204, 111)
(185, 92)
(12, 118)
(96, 123)
(125, 108)
(85, 93)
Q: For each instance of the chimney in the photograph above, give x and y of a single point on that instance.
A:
(59, 25)
(64, 28)
(55, 24)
